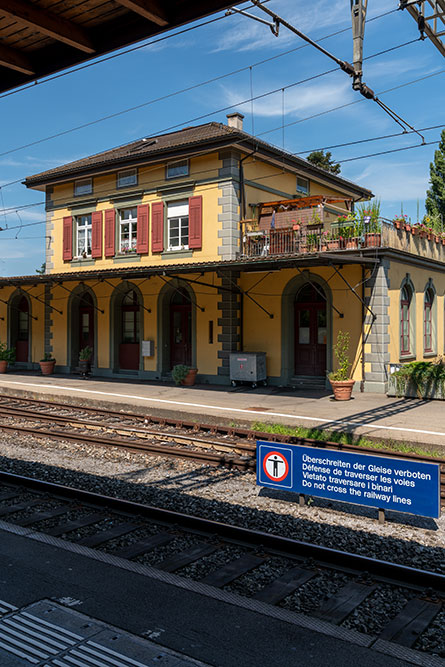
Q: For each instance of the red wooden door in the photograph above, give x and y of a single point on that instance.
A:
(310, 332)
(129, 350)
(86, 322)
(180, 334)
(22, 343)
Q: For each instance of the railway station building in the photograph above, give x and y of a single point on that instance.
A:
(186, 247)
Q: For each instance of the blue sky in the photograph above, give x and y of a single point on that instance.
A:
(232, 43)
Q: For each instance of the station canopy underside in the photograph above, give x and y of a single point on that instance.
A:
(266, 264)
(37, 39)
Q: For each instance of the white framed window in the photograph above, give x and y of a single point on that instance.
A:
(127, 177)
(83, 236)
(84, 186)
(128, 224)
(178, 225)
(302, 186)
(177, 169)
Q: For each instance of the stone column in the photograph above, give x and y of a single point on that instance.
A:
(230, 322)
(48, 333)
(376, 342)
(229, 201)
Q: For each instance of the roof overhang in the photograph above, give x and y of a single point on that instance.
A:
(37, 40)
(260, 264)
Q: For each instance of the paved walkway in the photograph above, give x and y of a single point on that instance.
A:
(367, 414)
(173, 622)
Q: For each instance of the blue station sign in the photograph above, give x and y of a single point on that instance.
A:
(362, 479)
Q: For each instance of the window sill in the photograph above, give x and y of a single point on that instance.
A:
(122, 259)
(83, 261)
(169, 254)
(428, 355)
(407, 357)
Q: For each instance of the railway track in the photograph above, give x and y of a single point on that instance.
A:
(321, 582)
(231, 447)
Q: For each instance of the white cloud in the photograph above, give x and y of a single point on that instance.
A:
(298, 101)
(393, 181)
(246, 34)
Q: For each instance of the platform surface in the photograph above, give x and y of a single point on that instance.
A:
(182, 626)
(374, 415)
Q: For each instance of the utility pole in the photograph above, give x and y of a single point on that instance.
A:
(430, 18)
(358, 15)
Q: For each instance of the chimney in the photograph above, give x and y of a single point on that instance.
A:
(235, 120)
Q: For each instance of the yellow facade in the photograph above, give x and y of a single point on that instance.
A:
(209, 301)
(420, 278)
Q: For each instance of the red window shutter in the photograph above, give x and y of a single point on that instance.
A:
(142, 229)
(96, 235)
(195, 222)
(110, 234)
(67, 238)
(157, 227)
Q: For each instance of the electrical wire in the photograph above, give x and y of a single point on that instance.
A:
(256, 97)
(394, 150)
(160, 39)
(13, 209)
(194, 87)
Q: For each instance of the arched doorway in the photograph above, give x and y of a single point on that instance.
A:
(180, 328)
(19, 333)
(129, 345)
(81, 325)
(310, 331)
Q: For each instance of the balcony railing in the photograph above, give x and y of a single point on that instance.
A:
(302, 241)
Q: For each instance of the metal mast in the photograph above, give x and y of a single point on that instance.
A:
(430, 18)
(358, 15)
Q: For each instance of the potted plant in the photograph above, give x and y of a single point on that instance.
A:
(341, 382)
(85, 355)
(7, 355)
(184, 375)
(47, 364)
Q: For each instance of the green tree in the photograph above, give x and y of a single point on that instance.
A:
(435, 195)
(324, 161)
(42, 269)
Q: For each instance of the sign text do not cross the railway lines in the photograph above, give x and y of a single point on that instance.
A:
(375, 481)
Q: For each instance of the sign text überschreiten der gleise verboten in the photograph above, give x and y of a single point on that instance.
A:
(375, 481)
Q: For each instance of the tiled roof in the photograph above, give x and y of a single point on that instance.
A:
(210, 135)
(144, 148)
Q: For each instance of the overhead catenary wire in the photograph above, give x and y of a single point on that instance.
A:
(143, 45)
(274, 175)
(195, 86)
(256, 97)
(343, 64)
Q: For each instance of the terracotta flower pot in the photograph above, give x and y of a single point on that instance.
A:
(372, 240)
(342, 389)
(47, 367)
(190, 378)
(3, 366)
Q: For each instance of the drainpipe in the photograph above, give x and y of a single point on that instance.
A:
(241, 184)
(242, 216)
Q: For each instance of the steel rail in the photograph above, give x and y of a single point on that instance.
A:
(392, 572)
(235, 431)
(75, 421)
(248, 450)
(227, 460)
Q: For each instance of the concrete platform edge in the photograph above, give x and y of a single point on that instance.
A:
(315, 625)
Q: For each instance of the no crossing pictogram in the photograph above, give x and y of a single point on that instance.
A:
(275, 466)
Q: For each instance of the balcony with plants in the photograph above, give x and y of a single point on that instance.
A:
(310, 225)
(318, 224)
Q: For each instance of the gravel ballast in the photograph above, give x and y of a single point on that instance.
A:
(227, 496)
